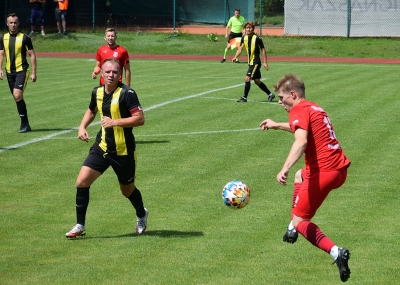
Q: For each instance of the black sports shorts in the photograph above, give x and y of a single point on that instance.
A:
(124, 166)
(17, 80)
(234, 35)
(254, 71)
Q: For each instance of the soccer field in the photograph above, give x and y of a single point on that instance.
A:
(197, 138)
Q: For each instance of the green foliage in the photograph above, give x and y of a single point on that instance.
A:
(195, 139)
(212, 37)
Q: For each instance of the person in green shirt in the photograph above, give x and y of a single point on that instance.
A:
(235, 24)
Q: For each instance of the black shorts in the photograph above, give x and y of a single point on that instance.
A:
(254, 71)
(124, 166)
(17, 80)
(60, 14)
(234, 35)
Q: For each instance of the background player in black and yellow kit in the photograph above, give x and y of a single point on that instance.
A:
(15, 46)
(254, 46)
(120, 111)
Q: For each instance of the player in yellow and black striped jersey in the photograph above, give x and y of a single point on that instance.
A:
(15, 46)
(255, 47)
(120, 112)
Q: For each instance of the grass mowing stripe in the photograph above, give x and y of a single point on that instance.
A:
(96, 123)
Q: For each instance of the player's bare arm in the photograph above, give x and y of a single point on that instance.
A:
(264, 53)
(270, 124)
(1, 64)
(136, 120)
(127, 68)
(32, 55)
(296, 152)
(97, 69)
(88, 117)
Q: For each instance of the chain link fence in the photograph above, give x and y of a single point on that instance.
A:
(347, 18)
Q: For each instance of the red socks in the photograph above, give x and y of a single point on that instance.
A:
(315, 236)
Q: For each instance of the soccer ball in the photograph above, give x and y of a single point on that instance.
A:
(236, 194)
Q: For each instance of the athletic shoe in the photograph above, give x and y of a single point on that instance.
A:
(77, 230)
(65, 33)
(223, 60)
(59, 32)
(237, 61)
(342, 264)
(271, 97)
(31, 34)
(24, 128)
(141, 223)
(243, 99)
(43, 34)
(290, 236)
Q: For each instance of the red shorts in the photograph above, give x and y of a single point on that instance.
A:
(314, 189)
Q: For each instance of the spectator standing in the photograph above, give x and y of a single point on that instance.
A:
(61, 13)
(37, 14)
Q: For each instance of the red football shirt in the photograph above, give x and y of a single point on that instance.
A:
(119, 53)
(323, 151)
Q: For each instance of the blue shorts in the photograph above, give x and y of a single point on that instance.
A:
(37, 15)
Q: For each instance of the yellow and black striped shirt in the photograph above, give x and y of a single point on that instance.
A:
(118, 104)
(253, 46)
(15, 48)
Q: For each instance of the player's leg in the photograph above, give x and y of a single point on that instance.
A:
(93, 166)
(291, 234)
(33, 22)
(125, 169)
(312, 193)
(57, 13)
(247, 84)
(261, 85)
(17, 81)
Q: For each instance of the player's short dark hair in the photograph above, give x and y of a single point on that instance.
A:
(237, 9)
(12, 15)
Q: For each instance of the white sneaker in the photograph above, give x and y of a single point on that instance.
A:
(141, 223)
(32, 33)
(43, 34)
(77, 230)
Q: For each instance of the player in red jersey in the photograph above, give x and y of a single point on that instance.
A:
(325, 170)
(112, 50)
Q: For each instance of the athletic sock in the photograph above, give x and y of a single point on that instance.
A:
(246, 89)
(226, 50)
(137, 202)
(264, 88)
(22, 111)
(82, 203)
(315, 236)
(334, 252)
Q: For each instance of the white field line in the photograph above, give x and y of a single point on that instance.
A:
(47, 137)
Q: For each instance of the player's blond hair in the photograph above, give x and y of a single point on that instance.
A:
(110, 30)
(290, 82)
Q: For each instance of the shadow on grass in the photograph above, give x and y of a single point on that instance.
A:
(160, 233)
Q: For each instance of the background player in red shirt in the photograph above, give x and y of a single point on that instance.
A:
(112, 50)
(325, 170)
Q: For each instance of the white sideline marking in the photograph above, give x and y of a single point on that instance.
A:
(98, 122)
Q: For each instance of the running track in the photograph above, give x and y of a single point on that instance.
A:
(217, 58)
